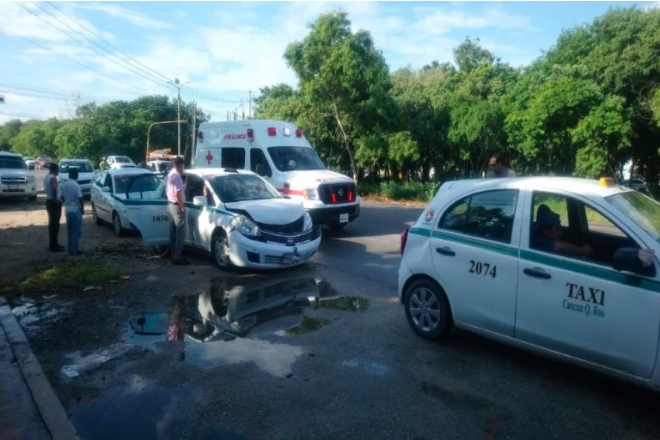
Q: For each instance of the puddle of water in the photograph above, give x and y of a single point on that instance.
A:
(214, 324)
(373, 368)
(30, 313)
(79, 364)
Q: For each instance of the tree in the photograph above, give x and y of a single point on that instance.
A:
(9, 131)
(344, 78)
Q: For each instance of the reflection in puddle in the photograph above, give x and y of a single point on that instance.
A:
(214, 324)
(30, 312)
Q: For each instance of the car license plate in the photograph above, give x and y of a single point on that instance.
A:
(290, 259)
(14, 188)
(343, 218)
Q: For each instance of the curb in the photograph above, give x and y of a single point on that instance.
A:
(49, 406)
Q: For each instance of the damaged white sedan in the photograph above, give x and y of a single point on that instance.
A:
(235, 215)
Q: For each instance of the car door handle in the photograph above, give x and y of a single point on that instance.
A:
(445, 251)
(537, 273)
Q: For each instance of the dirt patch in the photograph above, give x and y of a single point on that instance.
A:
(386, 201)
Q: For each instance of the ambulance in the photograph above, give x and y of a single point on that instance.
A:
(279, 152)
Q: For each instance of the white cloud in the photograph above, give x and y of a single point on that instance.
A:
(133, 17)
(651, 5)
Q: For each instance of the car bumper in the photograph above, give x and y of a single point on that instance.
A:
(325, 214)
(18, 190)
(259, 255)
(404, 276)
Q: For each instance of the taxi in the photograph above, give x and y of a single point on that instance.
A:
(234, 215)
(564, 267)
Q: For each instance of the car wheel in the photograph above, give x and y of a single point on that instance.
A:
(427, 309)
(221, 250)
(116, 225)
(95, 216)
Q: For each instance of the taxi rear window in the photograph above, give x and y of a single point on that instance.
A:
(640, 209)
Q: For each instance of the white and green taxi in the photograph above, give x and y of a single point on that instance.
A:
(564, 267)
(235, 215)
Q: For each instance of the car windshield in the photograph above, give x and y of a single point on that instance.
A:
(241, 187)
(83, 167)
(641, 209)
(295, 158)
(12, 163)
(122, 159)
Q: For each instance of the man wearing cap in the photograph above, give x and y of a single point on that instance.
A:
(548, 232)
(176, 207)
(53, 207)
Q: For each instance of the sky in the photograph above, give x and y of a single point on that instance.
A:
(57, 55)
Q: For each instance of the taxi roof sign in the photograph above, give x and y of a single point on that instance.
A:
(607, 182)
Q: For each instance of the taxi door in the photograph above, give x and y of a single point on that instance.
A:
(199, 220)
(583, 307)
(146, 208)
(474, 249)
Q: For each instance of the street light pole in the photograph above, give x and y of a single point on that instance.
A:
(178, 85)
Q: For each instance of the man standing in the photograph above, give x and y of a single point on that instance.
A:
(53, 207)
(73, 207)
(176, 207)
(496, 169)
(103, 165)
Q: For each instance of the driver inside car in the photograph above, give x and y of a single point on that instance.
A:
(548, 232)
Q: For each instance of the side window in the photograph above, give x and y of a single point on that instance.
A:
(233, 158)
(597, 223)
(486, 215)
(99, 180)
(108, 182)
(194, 187)
(259, 163)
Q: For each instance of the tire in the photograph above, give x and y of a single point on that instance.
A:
(116, 225)
(220, 250)
(427, 309)
(95, 216)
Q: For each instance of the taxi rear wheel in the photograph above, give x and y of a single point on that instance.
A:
(116, 225)
(427, 309)
(221, 250)
(95, 216)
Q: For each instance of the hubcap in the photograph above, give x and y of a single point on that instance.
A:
(222, 251)
(424, 309)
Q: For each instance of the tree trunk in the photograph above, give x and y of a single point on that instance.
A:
(347, 145)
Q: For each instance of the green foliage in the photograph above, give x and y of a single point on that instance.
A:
(418, 191)
(70, 275)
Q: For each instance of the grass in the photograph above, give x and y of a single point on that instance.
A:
(70, 275)
(345, 303)
(307, 325)
(410, 191)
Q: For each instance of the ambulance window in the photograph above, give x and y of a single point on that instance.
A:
(233, 158)
(259, 163)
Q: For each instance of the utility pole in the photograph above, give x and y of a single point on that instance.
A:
(194, 135)
(178, 85)
(250, 106)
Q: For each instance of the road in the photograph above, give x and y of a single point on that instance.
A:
(362, 375)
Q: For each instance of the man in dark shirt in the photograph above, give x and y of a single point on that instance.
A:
(497, 169)
(548, 235)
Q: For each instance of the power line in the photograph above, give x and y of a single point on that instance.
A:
(130, 69)
(54, 93)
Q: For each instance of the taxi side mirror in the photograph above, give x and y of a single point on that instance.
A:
(628, 260)
(199, 201)
(106, 189)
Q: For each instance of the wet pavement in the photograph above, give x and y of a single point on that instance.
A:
(318, 352)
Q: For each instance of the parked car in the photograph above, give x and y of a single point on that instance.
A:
(118, 162)
(43, 162)
(242, 221)
(30, 162)
(110, 193)
(637, 185)
(16, 180)
(563, 267)
(159, 166)
(86, 174)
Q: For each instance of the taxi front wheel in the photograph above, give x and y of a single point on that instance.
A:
(427, 309)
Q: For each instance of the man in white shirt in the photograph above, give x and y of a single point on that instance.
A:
(53, 207)
(176, 207)
(73, 207)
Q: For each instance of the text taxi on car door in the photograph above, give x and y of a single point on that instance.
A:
(564, 267)
(235, 215)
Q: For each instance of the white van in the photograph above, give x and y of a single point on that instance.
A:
(279, 152)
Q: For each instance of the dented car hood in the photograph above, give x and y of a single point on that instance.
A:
(278, 211)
